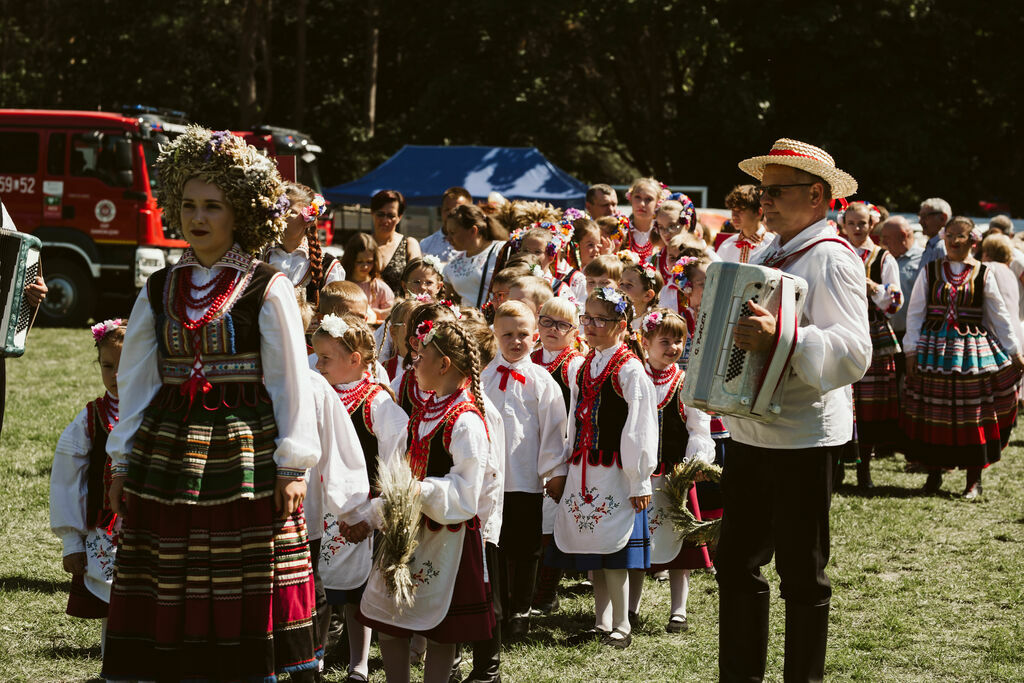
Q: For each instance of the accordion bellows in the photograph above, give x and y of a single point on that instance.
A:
(721, 377)
(19, 266)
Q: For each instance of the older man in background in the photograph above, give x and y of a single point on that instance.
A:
(898, 239)
(933, 216)
(601, 201)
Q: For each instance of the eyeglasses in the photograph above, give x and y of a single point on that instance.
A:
(775, 191)
(670, 229)
(560, 325)
(384, 216)
(596, 321)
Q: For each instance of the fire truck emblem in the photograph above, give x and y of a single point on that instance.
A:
(105, 211)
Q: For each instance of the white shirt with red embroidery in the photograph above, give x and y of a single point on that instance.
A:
(740, 249)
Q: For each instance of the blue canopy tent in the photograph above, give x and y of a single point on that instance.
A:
(423, 173)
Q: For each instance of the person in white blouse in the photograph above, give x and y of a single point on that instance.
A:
(479, 238)
(963, 364)
(998, 254)
(438, 245)
(876, 398)
(777, 478)
(751, 238)
(534, 415)
(215, 435)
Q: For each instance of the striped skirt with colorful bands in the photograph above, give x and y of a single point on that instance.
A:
(961, 404)
(209, 584)
(877, 403)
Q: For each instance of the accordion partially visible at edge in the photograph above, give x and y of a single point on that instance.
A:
(723, 378)
(19, 266)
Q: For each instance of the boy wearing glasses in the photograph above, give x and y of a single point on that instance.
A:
(533, 414)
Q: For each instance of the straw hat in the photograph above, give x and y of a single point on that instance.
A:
(814, 160)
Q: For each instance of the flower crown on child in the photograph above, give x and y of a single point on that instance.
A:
(316, 208)
(678, 273)
(433, 262)
(647, 274)
(623, 232)
(652, 321)
(425, 332)
(451, 306)
(612, 296)
(101, 330)
(334, 325)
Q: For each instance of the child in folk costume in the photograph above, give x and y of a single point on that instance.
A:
(530, 404)
(963, 363)
(644, 196)
(603, 271)
(298, 254)
(876, 398)
(405, 385)
(612, 449)
(641, 283)
(389, 338)
(80, 513)
(531, 291)
(685, 434)
(671, 219)
(584, 246)
(423, 276)
(344, 346)
(449, 450)
(545, 241)
(215, 435)
(614, 233)
(752, 238)
(558, 354)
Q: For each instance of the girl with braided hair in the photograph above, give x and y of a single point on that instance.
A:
(604, 487)
(298, 254)
(410, 395)
(449, 451)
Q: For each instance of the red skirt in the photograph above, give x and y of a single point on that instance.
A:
(689, 557)
(210, 592)
(877, 400)
(82, 603)
(470, 615)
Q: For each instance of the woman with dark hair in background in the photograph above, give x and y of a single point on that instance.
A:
(480, 238)
(388, 207)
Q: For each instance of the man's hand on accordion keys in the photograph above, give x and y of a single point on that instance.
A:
(36, 292)
(755, 332)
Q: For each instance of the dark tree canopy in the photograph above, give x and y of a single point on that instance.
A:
(916, 98)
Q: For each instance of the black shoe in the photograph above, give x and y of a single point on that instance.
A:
(864, 477)
(587, 636)
(518, 627)
(356, 677)
(634, 619)
(677, 624)
(933, 483)
(545, 608)
(620, 643)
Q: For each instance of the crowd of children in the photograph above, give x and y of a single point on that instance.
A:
(540, 417)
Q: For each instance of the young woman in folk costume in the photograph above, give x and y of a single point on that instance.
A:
(644, 196)
(584, 246)
(672, 217)
(963, 363)
(80, 513)
(684, 434)
(298, 253)
(215, 435)
(345, 356)
(449, 451)
(876, 398)
(601, 522)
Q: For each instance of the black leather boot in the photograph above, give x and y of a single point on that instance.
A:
(487, 659)
(742, 636)
(864, 472)
(806, 640)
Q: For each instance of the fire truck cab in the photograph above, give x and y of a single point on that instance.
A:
(83, 182)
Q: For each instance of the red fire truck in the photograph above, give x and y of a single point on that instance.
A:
(83, 182)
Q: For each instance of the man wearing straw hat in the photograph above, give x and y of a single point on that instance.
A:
(777, 479)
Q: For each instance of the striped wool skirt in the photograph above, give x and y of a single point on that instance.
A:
(877, 401)
(961, 404)
(209, 584)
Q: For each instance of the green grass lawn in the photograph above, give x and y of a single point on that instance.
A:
(926, 588)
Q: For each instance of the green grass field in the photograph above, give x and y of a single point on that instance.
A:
(927, 588)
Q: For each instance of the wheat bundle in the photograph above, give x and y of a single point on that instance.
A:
(396, 543)
(522, 214)
(676, 486)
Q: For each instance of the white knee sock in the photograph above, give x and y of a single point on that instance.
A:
(358, 642)
(438, 667)
(679, 586)
(617, 581)
(636, 588)
(395, 655)
(602, 604)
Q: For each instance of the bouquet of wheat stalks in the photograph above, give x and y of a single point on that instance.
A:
(396, 543)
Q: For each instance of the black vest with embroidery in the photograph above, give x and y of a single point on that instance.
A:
(362, 420)
(609, 414)
(672, 434)
(560, 373)
(96, 492)
(970, 299)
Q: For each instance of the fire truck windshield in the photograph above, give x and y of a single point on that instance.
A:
(307, 171)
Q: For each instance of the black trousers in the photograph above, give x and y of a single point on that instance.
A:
(487, 653)
(776, 503)
(519, 550)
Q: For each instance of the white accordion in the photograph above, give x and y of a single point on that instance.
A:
(721, 377)
(19, 266)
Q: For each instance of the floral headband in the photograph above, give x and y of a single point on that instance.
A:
(652, 321)
(678, 272)
(628, 257)
(623, 232)
(316, 208)
(424, 298)
(425, 332)
(614, 297)
(101, 330)
(334, 325)
(451, 305)
(571, 214)
(432, 261)
(648, 274)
